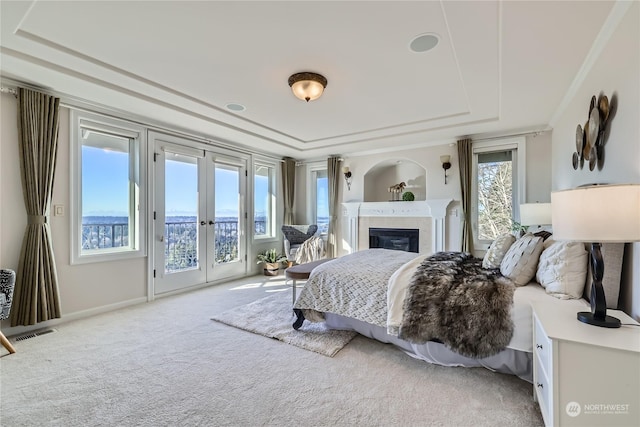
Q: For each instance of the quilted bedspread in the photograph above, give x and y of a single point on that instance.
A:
(354, 285)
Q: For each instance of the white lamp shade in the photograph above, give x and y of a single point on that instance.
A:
(535, 214)
(307, 90)
(597, 214)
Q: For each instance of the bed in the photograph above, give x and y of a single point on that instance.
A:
(368, 292)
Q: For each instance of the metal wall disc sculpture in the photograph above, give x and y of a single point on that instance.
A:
(590, 139)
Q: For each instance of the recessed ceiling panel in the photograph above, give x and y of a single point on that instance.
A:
(497, 66)
(243, 52)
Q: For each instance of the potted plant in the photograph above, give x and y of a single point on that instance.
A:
(518, 229)
(271, 261)
(408, 196)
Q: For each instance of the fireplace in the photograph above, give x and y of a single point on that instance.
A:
(429, 217)
(400, 239)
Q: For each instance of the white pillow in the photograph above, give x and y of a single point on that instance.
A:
(497, 251)
(562, 269)
(521, 260)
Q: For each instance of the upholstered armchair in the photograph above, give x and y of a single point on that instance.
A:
(7, 282)
(295, 236)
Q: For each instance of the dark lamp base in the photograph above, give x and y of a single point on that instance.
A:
(607, 322)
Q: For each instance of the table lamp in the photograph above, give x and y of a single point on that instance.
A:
(597, 214)
(535, 214)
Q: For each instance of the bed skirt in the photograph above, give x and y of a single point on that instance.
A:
(508, 361)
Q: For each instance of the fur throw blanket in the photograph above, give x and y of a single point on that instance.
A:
(452, 299)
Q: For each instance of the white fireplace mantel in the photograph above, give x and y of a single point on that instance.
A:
(435, 209)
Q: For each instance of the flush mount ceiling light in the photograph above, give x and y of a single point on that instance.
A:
(307, 86)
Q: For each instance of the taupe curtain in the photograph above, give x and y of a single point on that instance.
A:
(35, 296)
(288, 187)
(464, 157)
(333, 173)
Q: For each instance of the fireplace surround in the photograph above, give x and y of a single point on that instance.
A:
(429, 217)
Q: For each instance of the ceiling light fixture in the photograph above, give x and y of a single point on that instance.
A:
(307, 85)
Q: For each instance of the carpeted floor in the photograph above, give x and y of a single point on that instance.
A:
(167, 364)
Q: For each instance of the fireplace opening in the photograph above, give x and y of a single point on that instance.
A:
(399, 239)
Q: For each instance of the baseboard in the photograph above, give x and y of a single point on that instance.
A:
(19, 330)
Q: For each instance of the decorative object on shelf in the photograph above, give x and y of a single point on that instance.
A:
(535, 214)
(396, 191)
(597, 214)
(446, 165)
(408, 196)
(347, 176)
(271, 261)
(590, 139)
(307, 86)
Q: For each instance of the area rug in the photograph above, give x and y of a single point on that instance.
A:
(273, 316)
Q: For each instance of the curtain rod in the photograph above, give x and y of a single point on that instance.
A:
(78, 104)
(10, 90)
(534, 133)
(306, 162)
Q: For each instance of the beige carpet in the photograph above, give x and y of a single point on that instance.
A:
(166, 363)
(272, 317)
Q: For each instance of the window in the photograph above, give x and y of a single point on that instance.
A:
(107, 209)
(498, 188)
(264, 194)
(319, 196)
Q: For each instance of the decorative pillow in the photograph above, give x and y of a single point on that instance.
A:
(296, 236)
(543, 233)
(497, 251)
(562, 269)
(612, 253)
(521, 260)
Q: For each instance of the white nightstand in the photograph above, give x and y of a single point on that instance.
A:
(585, 375)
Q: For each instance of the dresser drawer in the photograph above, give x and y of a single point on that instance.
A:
(542, 348)
(543, 391)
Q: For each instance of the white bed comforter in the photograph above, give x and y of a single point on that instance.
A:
(521, 313)
(354, 285)
(370, 286)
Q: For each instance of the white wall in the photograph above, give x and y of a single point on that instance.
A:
(539, 168)
(85, 288)
(616, 73)
(538, 179)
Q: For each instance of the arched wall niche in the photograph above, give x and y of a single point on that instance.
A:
(386, 173)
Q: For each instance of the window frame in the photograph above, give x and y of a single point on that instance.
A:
(273, 191)
(312, 198)
(137, 248)
(519, 186)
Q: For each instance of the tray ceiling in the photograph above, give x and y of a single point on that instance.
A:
(498, 66)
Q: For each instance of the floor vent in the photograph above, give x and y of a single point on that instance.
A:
(33, 334)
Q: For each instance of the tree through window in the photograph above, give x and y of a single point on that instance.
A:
(495, 194)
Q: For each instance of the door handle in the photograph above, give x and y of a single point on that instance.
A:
(162, 238)
(203, 223)
(211, 222)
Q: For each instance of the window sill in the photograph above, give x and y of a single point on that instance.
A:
(106, 257)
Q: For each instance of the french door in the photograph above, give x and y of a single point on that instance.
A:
(199, 216)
